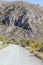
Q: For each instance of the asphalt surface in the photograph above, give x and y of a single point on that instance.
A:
(16, 55)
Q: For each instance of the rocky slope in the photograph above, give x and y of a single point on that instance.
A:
(21, 20)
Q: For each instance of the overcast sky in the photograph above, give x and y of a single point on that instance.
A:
(31, 1)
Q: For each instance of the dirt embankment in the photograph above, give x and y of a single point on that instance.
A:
(36, 53)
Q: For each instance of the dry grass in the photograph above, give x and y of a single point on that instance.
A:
(35, 47)
(3, 46)
(36, 53)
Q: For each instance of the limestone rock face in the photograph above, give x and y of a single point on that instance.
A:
(22, 20)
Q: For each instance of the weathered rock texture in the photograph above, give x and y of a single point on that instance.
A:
(21, 20)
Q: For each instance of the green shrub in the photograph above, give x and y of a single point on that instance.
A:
(41, 47)
(37, 45)
(24, 42)
(31, 43)
(3, 40)
(10, 42)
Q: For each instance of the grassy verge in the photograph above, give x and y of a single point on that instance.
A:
(35, 47)
(36, 53)
(3, 46)
(3, 40)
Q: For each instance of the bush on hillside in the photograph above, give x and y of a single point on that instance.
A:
(37, 44)
(3, 40)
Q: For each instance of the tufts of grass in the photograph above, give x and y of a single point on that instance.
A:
(36, 44)
(3, 40)
(24, 42)
(4, 44)
(11, 41)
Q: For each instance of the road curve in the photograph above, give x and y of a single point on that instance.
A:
(16, 55)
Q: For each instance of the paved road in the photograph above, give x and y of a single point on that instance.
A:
(16, 55)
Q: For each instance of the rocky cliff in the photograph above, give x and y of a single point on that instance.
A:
(21, 20)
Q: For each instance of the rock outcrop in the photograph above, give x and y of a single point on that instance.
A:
(25, 17)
